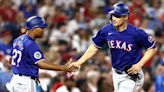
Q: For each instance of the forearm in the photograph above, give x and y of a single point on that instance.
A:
(91, 51)
(49, 66)
(148, 54)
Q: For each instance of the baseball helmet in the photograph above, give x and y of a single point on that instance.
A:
(35, 22)
(120, 9)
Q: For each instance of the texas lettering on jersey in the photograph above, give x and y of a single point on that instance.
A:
(125, 47)
(116, 44)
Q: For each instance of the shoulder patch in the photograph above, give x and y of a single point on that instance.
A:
(37, 55)
(150, 39)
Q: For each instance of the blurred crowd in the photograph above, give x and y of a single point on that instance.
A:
(71, 25)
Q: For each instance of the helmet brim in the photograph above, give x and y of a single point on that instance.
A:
(40, 26)
(43, 26)
(117, 13)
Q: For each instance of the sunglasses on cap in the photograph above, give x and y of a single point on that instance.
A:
(118, 16)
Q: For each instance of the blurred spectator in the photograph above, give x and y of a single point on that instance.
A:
(7, 12)
(28, 9)
(69, 85)
(144, 26)
(1, 23)
(154, 22)
(108, 6)
(73, 24)
(60, 34)
(93, 77)
(151, 32)
(103, 61)
(147, 82)
(60, 16)
(20, 19)
(97, 3)
(155, 12)
(156, 6)
(98, 20)
(13, 28)
(47, 9)
(63, 46)
(137, 12)
(55, 82)
(81, 40)
(83, 86)
(46, 40)
(7, 75)
(104, 85)
(5, 42)
(65, 3)
(159, 80)
(2, 68)
(72, 53)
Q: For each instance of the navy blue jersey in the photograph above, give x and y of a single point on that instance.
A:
(126, 46)
(25, 54)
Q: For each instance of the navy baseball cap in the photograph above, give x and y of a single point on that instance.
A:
(35, 22)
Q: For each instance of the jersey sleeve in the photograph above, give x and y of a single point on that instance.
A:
(99, 39)
(35, 53)
(145, 40)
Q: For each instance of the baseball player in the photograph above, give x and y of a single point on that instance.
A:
(27, 57)
(126, 43)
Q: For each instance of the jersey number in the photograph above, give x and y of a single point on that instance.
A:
(16, 55)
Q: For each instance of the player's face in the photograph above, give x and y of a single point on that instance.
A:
(118, 20)
(39, 32)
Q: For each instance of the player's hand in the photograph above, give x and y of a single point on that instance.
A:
(134, 69)
(75, 66)
(68, 68)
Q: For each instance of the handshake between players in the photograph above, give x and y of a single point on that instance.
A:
(71, 66)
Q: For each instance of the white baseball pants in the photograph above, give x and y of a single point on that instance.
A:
(123, 83)
(22, 84)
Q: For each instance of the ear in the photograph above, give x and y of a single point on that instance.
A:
(35, 29)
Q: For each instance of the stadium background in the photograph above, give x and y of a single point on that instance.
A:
(71, 24)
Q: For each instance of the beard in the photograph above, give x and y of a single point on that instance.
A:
(39, 36)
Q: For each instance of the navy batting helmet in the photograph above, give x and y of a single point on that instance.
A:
(120, 9)
(35, 22)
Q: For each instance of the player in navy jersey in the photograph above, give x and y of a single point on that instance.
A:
(27, 58)
(126, 43)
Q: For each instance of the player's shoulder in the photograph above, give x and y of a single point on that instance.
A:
(25, 39)
(21, 36)
(106, 27)
(134, 29)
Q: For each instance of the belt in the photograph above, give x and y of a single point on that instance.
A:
(36, 79)
(117, 71)
(32, 77)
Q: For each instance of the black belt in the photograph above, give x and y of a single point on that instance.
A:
(36, 79)
(32, 77)
(118, 71)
